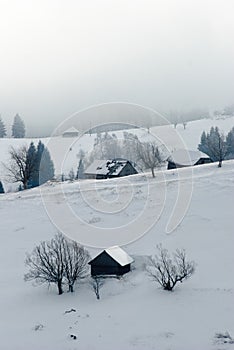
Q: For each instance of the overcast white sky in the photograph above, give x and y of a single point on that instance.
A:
(60, 56)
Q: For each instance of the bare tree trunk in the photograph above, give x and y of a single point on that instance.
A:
(60, 289)
(220, 164)
(152, 170)
(71, 289)
(97, 294)
(97, 283)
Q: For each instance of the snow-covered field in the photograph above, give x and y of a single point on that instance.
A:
(133, 312)
(64, 151)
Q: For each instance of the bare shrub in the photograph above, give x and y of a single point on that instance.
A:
(97, 283)
(167, 270)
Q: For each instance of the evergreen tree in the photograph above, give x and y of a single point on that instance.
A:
(203, 143)
(1, 188)
(2, 128)
(18, 127)
(80, 170)
(214, 145)
(230, 144)
(31, 163)
(45, 170)
(39, 152)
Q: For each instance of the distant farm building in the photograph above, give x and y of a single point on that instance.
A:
(184, 158)
(112, 261)
(104, 169)
(71, 132)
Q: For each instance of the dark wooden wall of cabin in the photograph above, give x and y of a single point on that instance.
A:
(105, 265)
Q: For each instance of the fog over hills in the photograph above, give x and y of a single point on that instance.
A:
(58, 59)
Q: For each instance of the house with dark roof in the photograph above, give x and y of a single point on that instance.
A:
(184, 158)
(105, 169)
(111, 261)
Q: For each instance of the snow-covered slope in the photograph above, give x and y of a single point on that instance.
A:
(64, 150)
(133, 312)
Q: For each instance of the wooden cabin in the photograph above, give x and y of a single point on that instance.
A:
(113, 261)
(71, 132)
(184, 158)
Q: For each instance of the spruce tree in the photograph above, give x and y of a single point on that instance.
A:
(80, 170)
(2, 128)
(214, 145)
(1, 188)
(18, 128)
(45, 165)
(203, 143)
(230, 144)
(31, 164)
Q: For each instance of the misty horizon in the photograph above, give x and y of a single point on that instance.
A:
(59, 58)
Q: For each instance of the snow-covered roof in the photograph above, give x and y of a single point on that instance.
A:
(104, 167)
(72, 129)
(97, 167)
(186, 157)
(118, 254)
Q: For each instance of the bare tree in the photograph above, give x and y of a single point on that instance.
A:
(106, 146)
(22, 164)
(150, 155)
(57, 261)
(75, 259)
(184, 122)
(96, 283)
(167, 270)
(46, 263)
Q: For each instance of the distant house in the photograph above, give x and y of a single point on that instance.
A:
(104, 169)
(71, 132)
(184, 158)
(111, 261)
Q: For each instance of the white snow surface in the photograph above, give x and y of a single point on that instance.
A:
(119, 255)
(103, 167)
(98, 167)
(134, 313)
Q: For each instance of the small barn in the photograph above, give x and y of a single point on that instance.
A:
(113, 261)
(71, 132)
(106, 169)
(184, 158)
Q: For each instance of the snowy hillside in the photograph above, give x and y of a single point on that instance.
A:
(133, 312)
(64, 151)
